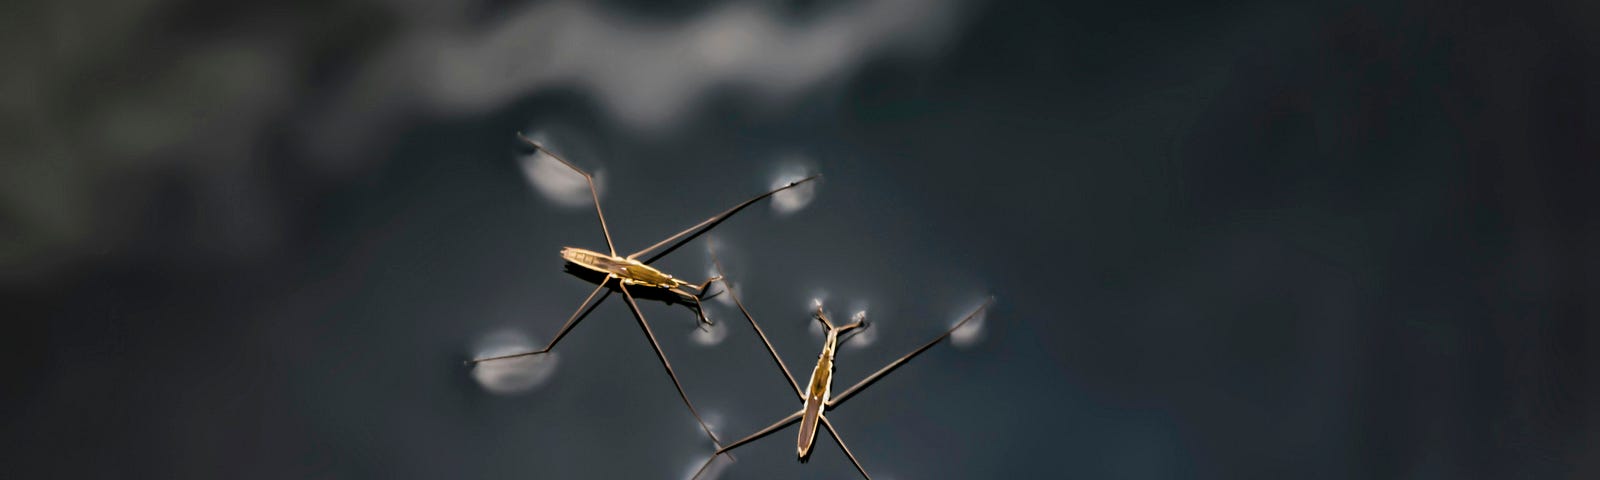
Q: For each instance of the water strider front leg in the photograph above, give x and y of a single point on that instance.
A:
(836, 400)
(593, 192)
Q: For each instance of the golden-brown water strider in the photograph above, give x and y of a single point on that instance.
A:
(817, 396)
(630, 271)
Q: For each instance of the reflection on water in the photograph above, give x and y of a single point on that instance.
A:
(791, 169)
(971, 333)
(555, 181)
(514, 375)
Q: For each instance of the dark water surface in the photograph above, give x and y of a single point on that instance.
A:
(1226, 241)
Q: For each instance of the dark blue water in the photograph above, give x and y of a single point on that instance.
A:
(1225, 241)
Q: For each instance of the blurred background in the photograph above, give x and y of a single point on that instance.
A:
(1227, 239)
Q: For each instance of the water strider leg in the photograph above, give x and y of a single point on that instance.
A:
(701, 227)
(835, 433)
(577, 315)
(703, 285)
(592, 191)
(664, 363)
(853, 325)
(822, 317)
(729, 287)
(862, 324)
(793, 417)
(699, 309)
(840, 398)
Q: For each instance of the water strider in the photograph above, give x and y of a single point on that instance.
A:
(625, 271)
(817, 394)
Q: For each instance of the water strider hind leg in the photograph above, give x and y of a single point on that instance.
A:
(835, 434)
(729, 287)
(664, 363)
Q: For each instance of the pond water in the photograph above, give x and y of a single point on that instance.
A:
(1253, 241)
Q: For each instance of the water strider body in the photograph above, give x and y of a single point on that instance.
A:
(821, 385)
(817, 396)
(626, 271)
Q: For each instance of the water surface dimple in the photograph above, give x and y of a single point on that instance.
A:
(512, 375)
(554, 180)
(864, 337)
(729, 289)
(972, 332)
(793, 168)
(709, 335)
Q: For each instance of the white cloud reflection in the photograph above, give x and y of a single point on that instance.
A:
(648, 74)
(645, 73)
